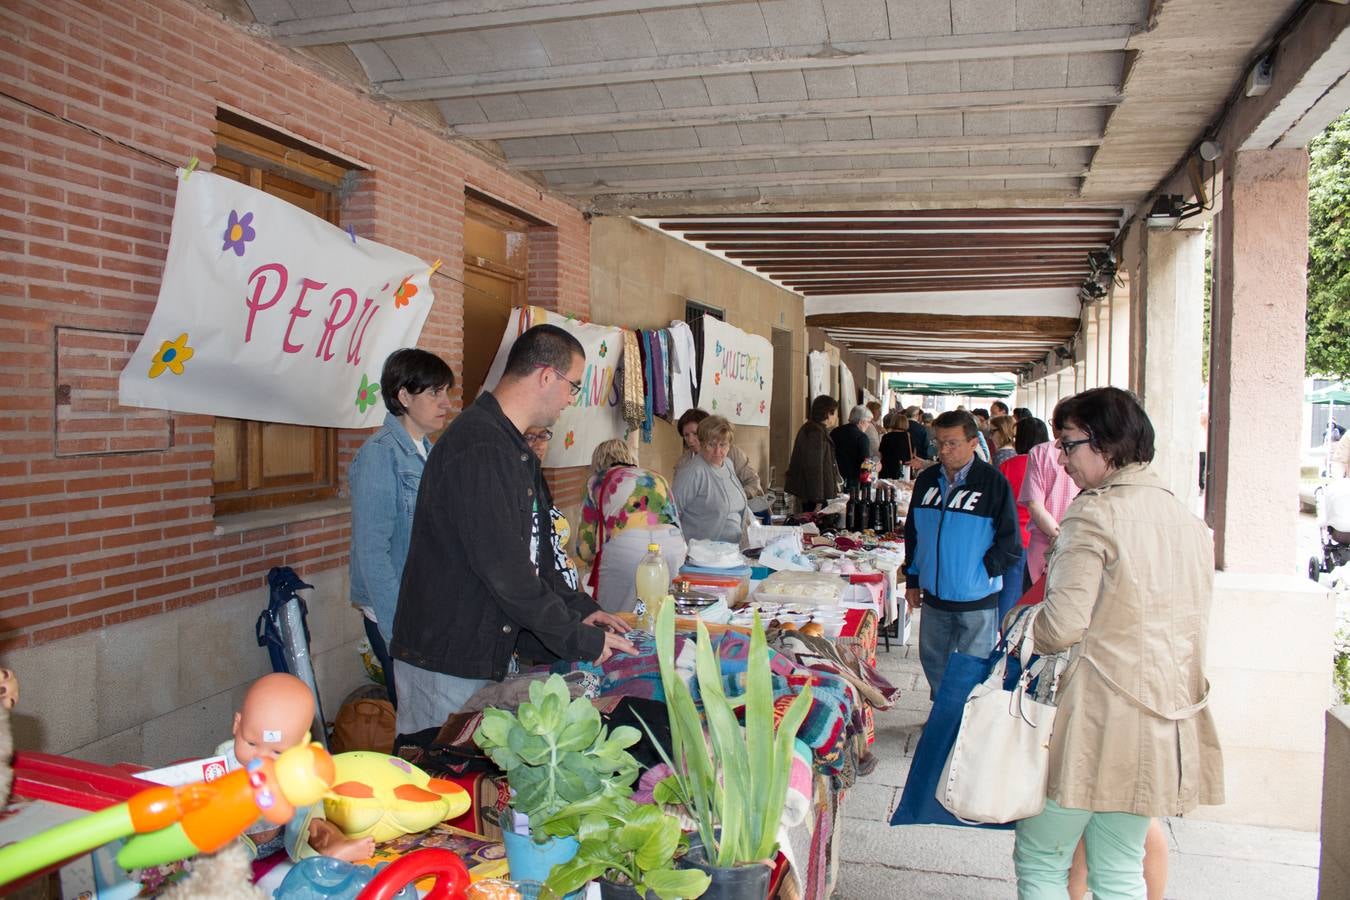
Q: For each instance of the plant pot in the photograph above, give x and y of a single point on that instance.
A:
(749, 881)
(612, 890)
(532, 861)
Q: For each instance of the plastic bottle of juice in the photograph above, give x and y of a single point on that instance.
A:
(653, 583)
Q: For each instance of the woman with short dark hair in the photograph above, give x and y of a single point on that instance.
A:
(812, 474)
(384, 478)
(1127, 594)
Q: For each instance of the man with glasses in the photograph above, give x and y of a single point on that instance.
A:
(961, 535)
(481, 581)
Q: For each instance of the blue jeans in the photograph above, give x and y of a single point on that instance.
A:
(1115, 853)
(381, 652)
(942, 633)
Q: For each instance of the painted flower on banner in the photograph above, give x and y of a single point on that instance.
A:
(171, 356)
(717, 378)
(405, 292)
(238, 232)
(714, 404)
(738, 408)
(368, 394)
(569, 440)
(604, 349)
(717, 350)
(761, 407)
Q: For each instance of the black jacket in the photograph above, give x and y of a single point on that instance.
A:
(850, 449)
(921, 440)
(812, 474)
(469, 589)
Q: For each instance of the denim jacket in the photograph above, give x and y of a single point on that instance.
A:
(384, 479)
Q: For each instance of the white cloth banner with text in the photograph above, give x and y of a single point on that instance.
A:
(267, 312)
(737, 379)
(594, 415)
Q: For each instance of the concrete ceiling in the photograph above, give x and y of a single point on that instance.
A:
(988, 109)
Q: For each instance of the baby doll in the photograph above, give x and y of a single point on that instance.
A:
(275, 716)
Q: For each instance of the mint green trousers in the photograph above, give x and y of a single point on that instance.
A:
(1115, 853)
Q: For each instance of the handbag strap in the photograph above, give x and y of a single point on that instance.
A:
(1183, 713)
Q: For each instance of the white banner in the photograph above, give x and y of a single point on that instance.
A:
(818, 373)
(268, 312)
(737, 379)
(848, 393)
(594, 415)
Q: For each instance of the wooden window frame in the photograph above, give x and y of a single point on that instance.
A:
(265, 154)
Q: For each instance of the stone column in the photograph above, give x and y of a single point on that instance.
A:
(1257, 358)
(1170, 289)
(1119, 374)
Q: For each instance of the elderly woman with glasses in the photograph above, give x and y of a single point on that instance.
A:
(709, 495)
(1127, 595)
(625, 509)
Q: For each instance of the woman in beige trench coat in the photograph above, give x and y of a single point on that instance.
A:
(1127, 594)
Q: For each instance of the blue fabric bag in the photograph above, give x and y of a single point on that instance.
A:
(918, 803)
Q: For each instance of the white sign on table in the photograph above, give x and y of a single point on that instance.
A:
(595, 414)
(267, 312)
(737, 379)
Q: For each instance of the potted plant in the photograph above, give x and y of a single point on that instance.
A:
(555, 752)
(734, 781)
(630, 847)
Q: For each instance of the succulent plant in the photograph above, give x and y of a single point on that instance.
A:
(555, 751)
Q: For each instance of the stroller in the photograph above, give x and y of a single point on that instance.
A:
(1333, 521)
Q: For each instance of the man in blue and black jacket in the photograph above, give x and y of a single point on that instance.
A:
(960, 537)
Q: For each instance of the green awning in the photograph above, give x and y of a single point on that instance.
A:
(953, 387)
(1331, 394)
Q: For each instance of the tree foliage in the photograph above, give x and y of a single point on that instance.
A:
(1329, 251)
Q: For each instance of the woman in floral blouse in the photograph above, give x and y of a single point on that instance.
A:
(625, 508)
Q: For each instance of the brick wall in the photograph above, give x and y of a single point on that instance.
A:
(105, 512)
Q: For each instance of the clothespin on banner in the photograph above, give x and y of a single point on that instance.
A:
(434, 266)
(351, 232)
(191, 167)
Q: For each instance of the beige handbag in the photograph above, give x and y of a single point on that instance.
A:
(998, 765)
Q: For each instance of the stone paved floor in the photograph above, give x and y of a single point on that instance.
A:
(881, 862)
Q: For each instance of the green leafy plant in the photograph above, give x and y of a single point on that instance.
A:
(1340, 672)
(625, 842)
(555, 752)
(734, 781)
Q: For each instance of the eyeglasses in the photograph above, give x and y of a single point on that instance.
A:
(717, 445)
(576, 385)
(538, 437)
(953, 445)
(1067, 446)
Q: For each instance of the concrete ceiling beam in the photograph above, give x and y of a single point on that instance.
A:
(404, 20)
(946, 48)
(842, 176)
(795, 110)
(811, 150)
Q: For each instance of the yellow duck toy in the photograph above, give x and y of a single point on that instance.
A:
(383, 796)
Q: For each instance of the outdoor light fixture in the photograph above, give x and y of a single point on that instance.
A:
(1169, 209)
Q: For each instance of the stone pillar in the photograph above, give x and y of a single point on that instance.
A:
(1170, 286)
(1119, 375)
(1090, 353)
(1257, 358)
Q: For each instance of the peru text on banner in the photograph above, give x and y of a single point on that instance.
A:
(267, 312)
